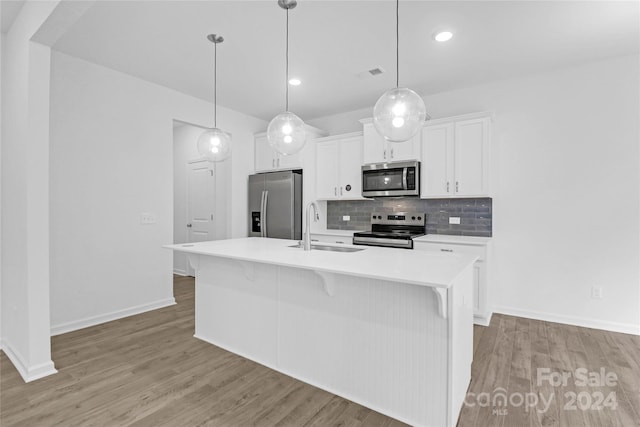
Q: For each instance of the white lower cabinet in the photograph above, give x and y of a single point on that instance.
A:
(481, 303)
(331, 238)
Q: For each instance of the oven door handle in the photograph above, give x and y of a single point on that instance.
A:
(377, 241)
(405, 185)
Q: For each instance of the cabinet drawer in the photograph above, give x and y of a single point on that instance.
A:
(480, 251)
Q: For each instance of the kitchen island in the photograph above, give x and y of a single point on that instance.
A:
(387, 328)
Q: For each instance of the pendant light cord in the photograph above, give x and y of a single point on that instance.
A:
(397, 44)
(286, 103)
(215, 85)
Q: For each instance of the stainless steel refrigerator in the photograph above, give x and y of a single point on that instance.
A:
(275, 205)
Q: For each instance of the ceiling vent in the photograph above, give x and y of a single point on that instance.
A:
(371, 73)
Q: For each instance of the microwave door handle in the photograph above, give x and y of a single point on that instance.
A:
(405, 185)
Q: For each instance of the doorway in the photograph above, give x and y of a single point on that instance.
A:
(199, 194)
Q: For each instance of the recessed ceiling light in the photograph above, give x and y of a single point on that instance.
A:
(443, 36)
(294, 82)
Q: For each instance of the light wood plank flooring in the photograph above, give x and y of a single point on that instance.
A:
(148, 370)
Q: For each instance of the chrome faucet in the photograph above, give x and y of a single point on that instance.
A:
(307, 231)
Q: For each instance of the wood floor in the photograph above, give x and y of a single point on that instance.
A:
(516, 357)
(148, 370)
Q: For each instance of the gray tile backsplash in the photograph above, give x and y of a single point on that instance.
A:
(475, 214)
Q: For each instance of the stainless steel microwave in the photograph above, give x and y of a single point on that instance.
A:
(391, 179)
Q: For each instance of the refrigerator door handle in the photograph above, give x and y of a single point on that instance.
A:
(264, 213)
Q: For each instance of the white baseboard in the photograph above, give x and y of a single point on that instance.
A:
(108, 317)
(625, 328)
(179, 272)
(482, 319)
(28, 373)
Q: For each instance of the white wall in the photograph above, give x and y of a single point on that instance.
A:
(567, 210)
(111, 160)
(1, 73)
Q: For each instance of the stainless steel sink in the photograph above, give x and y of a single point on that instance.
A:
(315, 246)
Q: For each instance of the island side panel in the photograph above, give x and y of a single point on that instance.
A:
(460, 307)
(378, 343)
(236, 307)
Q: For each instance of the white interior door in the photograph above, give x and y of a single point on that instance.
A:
(201, 196)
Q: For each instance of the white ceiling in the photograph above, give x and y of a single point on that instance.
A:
(332, 42)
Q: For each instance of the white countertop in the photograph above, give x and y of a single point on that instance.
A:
(432, 238)
(456, 240)
(434, 269)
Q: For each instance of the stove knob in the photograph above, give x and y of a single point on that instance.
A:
(379, 217)
(419, 218)
(413, 218)
(374, 217)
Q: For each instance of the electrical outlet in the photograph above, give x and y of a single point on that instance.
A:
(147, 218)
(596, 292)
(346, 218)
(454, 220)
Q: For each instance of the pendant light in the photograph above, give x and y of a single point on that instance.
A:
(215, 144)
(286, 132)
(400, 112)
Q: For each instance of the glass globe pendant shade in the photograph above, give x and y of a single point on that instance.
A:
(214, 145)
(399, 114)
(286, 133)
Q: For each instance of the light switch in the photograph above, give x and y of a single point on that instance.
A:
(346, 217)
(454, 220)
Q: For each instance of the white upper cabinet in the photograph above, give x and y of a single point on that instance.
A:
(436, 169)
(327, 155)
(376, 149)
(471, 155)
(338, 167)
(267, 159)
(455, 157)
(350, 177)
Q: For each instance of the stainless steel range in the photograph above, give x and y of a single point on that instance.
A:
(395, 230)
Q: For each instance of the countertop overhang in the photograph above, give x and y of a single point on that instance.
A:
(433, 269)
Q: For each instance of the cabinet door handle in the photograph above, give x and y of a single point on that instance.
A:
(447, 186)
(446, 250)
(384, 154)
(338, 241)
(457, 187)
(335, 191)
(341, 191)
(278, 162)
(273, 163)
(392, 153)
(314, 240)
